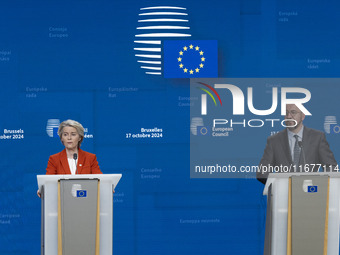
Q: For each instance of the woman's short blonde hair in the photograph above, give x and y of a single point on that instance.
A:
(75, 124)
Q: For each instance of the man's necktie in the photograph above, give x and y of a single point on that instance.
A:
(297, 151)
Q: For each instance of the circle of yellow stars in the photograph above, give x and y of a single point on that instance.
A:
(181, 54)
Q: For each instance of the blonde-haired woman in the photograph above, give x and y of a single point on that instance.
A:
(72, 160)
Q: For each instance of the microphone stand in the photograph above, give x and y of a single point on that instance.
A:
(303, 154)
(75, 156)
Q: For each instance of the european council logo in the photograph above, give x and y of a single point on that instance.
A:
(329, 121)
(156, 24)
(52, 127)
(197, 127)
(190, 59)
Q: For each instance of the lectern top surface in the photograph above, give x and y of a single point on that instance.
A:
(273, 176)
(107, 178)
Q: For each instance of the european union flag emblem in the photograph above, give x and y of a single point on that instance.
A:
(81, 193)
(312, 189)
(190, 59)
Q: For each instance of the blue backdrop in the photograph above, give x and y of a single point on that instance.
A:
(77, 59)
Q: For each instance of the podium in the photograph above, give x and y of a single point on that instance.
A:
(76, 213)
(302, 214)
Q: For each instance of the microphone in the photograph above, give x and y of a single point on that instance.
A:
(75, 156)
(303, 153)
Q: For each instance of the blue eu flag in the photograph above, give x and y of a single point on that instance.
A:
(312, 189)
(190, 59)
(81, 193)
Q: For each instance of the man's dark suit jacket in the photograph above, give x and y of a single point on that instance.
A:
(87, 163)
(315, 147)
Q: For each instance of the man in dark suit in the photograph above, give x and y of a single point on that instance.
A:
(296, 149)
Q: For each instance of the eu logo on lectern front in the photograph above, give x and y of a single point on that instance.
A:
(81, 193)
(312, 189)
